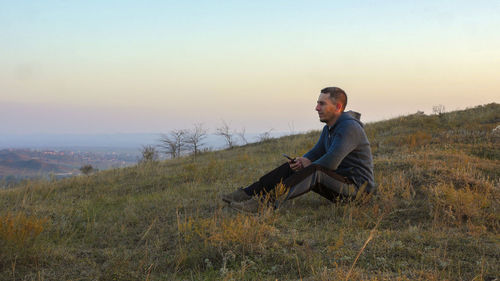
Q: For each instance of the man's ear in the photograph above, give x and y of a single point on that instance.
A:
(338, 106)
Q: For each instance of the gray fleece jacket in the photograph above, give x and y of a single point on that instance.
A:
(344, 148)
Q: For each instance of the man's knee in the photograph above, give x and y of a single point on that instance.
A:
(335, 183)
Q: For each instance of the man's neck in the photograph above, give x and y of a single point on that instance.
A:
(330, 123)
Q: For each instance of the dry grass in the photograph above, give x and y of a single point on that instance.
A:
(18, 237)
(452, 206)
(245, 233)
(435, 217)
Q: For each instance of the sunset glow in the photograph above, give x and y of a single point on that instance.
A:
(150, 66)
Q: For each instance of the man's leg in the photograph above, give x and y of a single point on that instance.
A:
(265, 184)
(269, 181)
(320, 180)
(314, 177)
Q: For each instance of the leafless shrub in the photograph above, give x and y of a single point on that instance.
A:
(241, 135)
(225, 131)
(149, 154)
(87, 169)
(291, 127)
(438, 109)
(194, 138)
(173, 143)
(265, 136)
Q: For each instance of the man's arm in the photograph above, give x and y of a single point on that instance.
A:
(345, 140)
(313, 154)
(318, 149)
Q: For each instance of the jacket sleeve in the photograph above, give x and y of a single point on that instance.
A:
(345, 140)
(319, 149)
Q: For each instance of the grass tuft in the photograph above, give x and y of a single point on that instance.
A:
(18, 237)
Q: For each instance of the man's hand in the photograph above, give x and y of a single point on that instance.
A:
(299, 163)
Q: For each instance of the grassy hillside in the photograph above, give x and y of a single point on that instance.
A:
(436, 215)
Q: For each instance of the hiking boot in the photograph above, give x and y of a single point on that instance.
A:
(236, 196)
(250, 206)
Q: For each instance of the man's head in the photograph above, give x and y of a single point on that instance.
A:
(337, 95)
(331, 104)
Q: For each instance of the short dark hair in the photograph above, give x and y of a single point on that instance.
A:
(337, 94)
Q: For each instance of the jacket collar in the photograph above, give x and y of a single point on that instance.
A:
(346, 115)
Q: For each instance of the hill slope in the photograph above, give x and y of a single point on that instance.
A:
(436, 215)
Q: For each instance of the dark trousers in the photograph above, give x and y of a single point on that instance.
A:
(314, 177)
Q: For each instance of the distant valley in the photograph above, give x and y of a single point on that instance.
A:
(17, 164)
(59, 156)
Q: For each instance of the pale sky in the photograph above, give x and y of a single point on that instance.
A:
(153, 66)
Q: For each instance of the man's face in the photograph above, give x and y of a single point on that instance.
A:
(328, 110)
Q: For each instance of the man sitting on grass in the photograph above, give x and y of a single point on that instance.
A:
(339, 165)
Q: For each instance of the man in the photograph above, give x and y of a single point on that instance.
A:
(339, 165)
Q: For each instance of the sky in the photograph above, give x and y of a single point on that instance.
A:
(91, 67)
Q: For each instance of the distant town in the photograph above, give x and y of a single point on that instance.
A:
(17, 164)
(59, 156)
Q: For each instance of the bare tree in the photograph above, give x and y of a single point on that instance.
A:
(149, 154)
(438, 109)
(173, 143)
(291, 127)
(241, 135)
(194, 138)
(225, 132)
(265, 136)
(168, 145)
